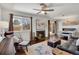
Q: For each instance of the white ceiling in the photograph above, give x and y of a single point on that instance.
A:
(66, 9)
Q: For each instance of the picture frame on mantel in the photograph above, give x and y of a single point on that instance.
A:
(40, 25)
(70, 22)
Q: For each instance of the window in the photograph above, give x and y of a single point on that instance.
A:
(21, 23)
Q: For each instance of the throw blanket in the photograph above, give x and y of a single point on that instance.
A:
(4, 46)
(7, 46)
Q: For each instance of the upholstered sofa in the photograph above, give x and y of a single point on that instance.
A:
(70, 47)
(72, 52)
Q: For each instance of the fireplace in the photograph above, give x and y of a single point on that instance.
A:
(40, 34)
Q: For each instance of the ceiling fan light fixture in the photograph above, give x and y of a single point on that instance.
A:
(44, 9)
(42, 12)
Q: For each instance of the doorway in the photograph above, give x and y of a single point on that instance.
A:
(52, 27)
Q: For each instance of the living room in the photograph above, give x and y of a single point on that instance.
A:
(40, 27)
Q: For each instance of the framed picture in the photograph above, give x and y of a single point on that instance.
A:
(70, 22)
(40, 24)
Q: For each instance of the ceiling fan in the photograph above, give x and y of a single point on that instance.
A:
(44, 9)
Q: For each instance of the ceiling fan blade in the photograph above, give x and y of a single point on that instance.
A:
(37, 9)
(49, 10)
(38, 12)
